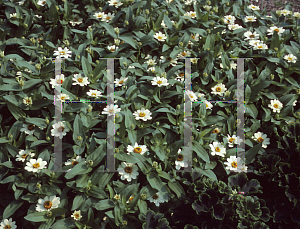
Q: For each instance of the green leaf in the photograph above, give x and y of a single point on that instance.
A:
(104, 204)
(129, 190)
(78, 131)
(37, 217)
(78, 201)
(11, 208)
(156, 183)
(200, 151)
(49, 43)
(68, 10)
(267, 114)
(129, 118)
(165, 47)
(15, 111)
(247, 93)
(177, 188)
(58, 212)
(97, 192)
(142, 206)
(128, 39)
(64, 224)
(250, 109)
(97, 155)
(53, 14)
(86, 66)
(109, 29)
(80, 168)
(251, 153)
(209, 173)
(132, 135)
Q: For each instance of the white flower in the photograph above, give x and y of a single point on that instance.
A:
(74, 161)
(160, 36)
(254, 42)
(242, 168)
(38, 16)
(218, 89)
(35, 165)
(76, 215)
(82, 81)
(217, 149)
(130, 199)
(294, 103)
(59, 79)
(27, 101)
(112, 110)
(290, 58)
(76, 20)
(200, 95)
(260, 46)
(192, 14)
(94, 93)
(275, 105)
(181, 161)
(160, 81)
(99, 15)
(251, 36)
(279, 30)
(8, 224)
(184, 54)
(23, 154)
(59, 129)
(62, 53)
(21, 2)
(232, 65)
(193, 60)
(253, 7)
(121, 81)
(232, 163)
(179, 75)
(108, 17)
(192, 95)
(131, 67)
(233, 140)
(163, 59)
(196, 37)
(143, 114)
(234, 26)
(157, 199)
(229, 19)
(112, 48)
(152, 69)
(117, 197)
(207, 7)
(128, 171)
(250, 19)
(48, 203)
(28, 129)
(296, 14)
(41, 2)
(64, 97)
(261, 138)
(151, 62)
(286, 12)
(141, 149)
(169, 1)
(115, 3)
(163, 24)
(208, 105)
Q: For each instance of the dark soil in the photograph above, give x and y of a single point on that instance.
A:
(273, 5)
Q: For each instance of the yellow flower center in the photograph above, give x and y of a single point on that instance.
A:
(180, 157)
(74, 163)
(121, 81)
(80, 80)
(30, 127)
(218, 149)
(137, 149)
(218, 89)
(250, 19)
(234, 164)
(60, 81)
(260, 139)
(128, 169)
(159, 37)
(276, 105)
(290, 58)
(183, 54)
(159, 82)
(94, 94)
(76, 215)
(142, 114)
(111, 110)
(7, 227)
(60, 129)
(277, 30)
(112, 49)
(206, 105)
(62, 52)
(231, 140)
(99, 16)
(131, 198)
(193, 14)
(260, 46)
(24, 155)
(62, 97)
(155, 196)
(108, 17)
(36, 165)
(115, 3)
(215, 131)
(47, 204)
(181, 74)
(252, 36)
(27, 101)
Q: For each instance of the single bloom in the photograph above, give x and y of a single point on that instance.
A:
(232, 65)
(152, 69)
(290, 58)
(28, 128)
(208, 105)
(130, 199)
(286, 12)
(217, 149)
(141, 149)
(115, 3)
(35, 165)
(151, 62)
(8, 224)
(112, 110)
(232, 163)
(275, 105)
(261, 138)
(74, 161)
(99, 15)
(254, 42)
(250, 19)
(157, 199)
(48, 203)
(234, 26)
(23, 154)
(160, 36)
(143, 114)
(179, 75)
(64, 97)
(27, 101)
(185, 53)
(260, 46)
(216, 130)
(62, 53)
(59, 79)
(128, 171)
(251, 36)
(233, 140)
(253, 7)
(117, 197)
(60, 129)
(160, 81)
(192, 95)
(82, 81)
(41, 2)
(181, 161)
(108, 17)
(121, 81)
(272, 29)
(112, 48)
(76, 20)
(76, 215)
(229, 19)
(94, 93)
(218, 89)
(296, 14)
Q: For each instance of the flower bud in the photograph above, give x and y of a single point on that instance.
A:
(195, 159)
(298, 91)
(117, 31)
(157, 123)
(168, 150)
(90, 162)
(147, 11)
(32, 40)
(10, 136)
(278, 12)
(154, 164)
(48, 138)
(208, 49)
(298, 113)
(227, 3)
(208, 2)
(132, 126)
(2, 54)
(140, 43)
(124, 223)
(180, 44)
(97, 61)
(38, 186)
(38, 67)
(57, 8)
(47, 121)
(79, 138)
(67, 42)
(117, 116)
(271, 76)
(126, 22)
(23, 37)
(205, 74)
(41, 46)
(88, 188)
(211, 12)
(49, 213)
(178, 107)
(143, 196)
(117, 150)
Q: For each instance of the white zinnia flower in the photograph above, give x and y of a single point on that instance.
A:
(23, 154)
(143, 114)
(275, 105)
(115, 3)
(160, 81)
(130, 199)
(151, 62)
(112, 110)
(217, 149)
(141, 149)
(260, 46)
(232, 163)
(233, 140)
(121, 81)
(229, 19)
(82, 81)
(250, 19)
(99, 15)
(152, 69)
(253, 7)
(108, 17)
(35, 165)
(28, 129)
(8, 224)
(296, 14)
(261, 138)
(254, 42)
(232, 65)
(160, 36)
(192, 95)
(218, 89)
(60, 129)
(157, 199)
(62, 53)
(48, 203)
(27, 101)
(279, 30)
(112, 48)
(181, 161)
(76, 215)
(76, 20)
(186, 53)
(94, 93)
(59, 79)
(41, 2)
(128, 171)
(74, 161)
(251, 36)
(290, 58)
(64, 97)
(234, 26)
(286, 12)
(208, 105)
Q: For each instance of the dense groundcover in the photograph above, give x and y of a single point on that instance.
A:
(150, 37)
